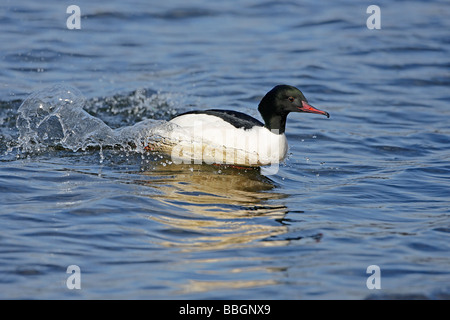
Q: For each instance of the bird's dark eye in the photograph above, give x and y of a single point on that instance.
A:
(291, 99)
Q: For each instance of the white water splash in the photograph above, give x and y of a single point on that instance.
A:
(54, 117)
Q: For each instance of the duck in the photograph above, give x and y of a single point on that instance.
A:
(228, 137)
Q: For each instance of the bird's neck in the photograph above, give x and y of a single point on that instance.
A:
(276, 123)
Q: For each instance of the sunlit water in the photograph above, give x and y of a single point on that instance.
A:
(369, 186)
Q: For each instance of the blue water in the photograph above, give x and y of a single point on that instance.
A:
(369, 186)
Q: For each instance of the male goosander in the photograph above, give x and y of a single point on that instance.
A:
(234, 138)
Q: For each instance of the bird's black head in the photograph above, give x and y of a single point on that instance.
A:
(278, 102)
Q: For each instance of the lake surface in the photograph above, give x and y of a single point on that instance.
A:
(369, 186)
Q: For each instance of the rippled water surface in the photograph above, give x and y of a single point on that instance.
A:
(369, 186)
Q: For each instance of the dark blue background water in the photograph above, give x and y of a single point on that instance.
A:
(369, 186)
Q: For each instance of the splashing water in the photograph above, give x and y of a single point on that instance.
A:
(54, 117)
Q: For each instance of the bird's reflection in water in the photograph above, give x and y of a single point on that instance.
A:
(216, 207)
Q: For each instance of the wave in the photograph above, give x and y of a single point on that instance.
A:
(55, 117)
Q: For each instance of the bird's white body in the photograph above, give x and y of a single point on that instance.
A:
(204, 138)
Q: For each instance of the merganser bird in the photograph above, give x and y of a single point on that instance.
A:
(235, 138)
